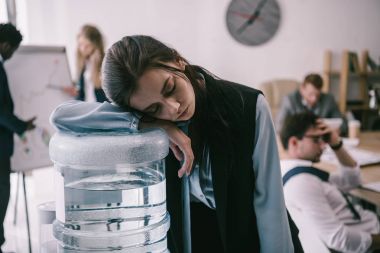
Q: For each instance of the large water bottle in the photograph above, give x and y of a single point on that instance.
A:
(111, 193)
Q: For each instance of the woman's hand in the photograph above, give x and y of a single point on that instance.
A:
(96, 57)
(180, 143)
(70, 90)
(96, 60)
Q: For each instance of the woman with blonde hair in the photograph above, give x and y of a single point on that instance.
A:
(90, 54)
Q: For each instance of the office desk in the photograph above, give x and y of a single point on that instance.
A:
(369, 141)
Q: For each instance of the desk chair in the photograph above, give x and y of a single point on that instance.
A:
(275, 90)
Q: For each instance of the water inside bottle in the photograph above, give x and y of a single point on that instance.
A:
(130, 198)
(113, 209)
(111, 194)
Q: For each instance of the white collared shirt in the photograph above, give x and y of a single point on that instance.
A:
(89, 86)
(320, 205)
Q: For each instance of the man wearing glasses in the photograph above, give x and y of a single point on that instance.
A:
(317, 200)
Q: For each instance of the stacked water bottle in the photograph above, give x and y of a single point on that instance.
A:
(111, 193)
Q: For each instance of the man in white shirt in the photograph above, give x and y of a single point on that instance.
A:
(315, 199)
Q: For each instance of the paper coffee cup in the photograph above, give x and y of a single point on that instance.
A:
(353, 128)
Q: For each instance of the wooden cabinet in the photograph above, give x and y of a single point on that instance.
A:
(353, 76)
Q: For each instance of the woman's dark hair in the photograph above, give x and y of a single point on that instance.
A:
(297, 125)
(9, 33)
(127, 60)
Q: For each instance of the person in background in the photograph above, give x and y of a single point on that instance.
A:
(309, 97)
(90, 54)
(316, 199)
(10, 39)
(235, 185)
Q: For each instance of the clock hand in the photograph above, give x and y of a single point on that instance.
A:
(253, 17)
(242, 15)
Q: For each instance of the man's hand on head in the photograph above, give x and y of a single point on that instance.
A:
(331, 136)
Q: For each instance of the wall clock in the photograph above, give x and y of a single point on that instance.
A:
(253, 22)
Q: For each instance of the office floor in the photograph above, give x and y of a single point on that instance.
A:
(40, 189)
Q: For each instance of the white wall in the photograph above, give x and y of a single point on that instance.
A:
(197, 29)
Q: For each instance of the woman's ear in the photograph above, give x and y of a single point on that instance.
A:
(182, 64)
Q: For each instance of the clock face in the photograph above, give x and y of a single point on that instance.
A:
(253, 22)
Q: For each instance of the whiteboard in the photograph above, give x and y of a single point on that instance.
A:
(36, 75)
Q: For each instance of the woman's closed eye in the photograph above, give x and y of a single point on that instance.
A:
(170, 89)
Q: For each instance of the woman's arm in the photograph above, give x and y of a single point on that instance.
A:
(180, 143)
(77, 117)
(269, 204)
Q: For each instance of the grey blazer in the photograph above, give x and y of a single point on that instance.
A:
(325, 108)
